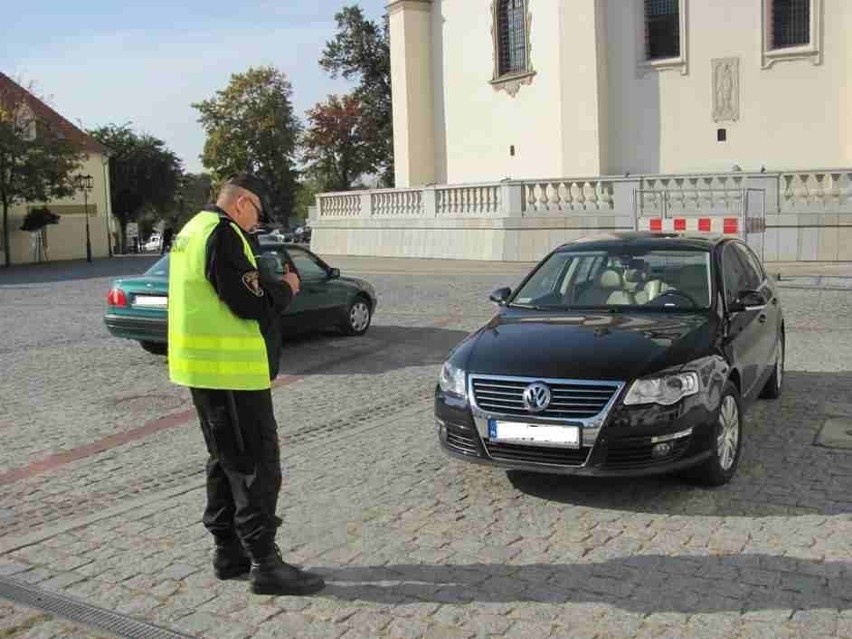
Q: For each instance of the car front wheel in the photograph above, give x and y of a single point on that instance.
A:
(727, 442)
(772, 389)
(358, 317)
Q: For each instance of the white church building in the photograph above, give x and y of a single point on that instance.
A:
(522, 124)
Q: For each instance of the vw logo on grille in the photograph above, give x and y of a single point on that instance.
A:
(536, 397)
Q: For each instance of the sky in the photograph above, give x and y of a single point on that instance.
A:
(105, 62)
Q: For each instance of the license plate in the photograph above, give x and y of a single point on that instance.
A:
(151, 301)
(525, 433)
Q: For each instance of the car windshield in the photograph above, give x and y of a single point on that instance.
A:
(620, 277)
(160, 268)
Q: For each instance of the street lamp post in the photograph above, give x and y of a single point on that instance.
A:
(85, 183)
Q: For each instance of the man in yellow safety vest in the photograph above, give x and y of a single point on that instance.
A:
(223, 344)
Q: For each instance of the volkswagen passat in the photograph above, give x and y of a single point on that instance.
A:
(627, 354)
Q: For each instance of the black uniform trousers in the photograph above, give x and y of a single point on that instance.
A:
(243, 471)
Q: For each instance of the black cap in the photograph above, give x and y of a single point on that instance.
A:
(257, 186)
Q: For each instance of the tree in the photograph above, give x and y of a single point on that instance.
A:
(251, 126)
(143, 173)
(361, 51)
(337, 145)
(196, 191)
(305, 198)
(36, 164)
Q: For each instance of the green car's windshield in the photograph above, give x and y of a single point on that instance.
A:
(160, 268)
(653, 279)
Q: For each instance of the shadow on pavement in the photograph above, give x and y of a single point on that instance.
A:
(643, 583)
(48, 272)
(782, 471)
(382, 349)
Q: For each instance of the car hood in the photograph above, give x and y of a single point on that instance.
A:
(585, 345)
(364, 285)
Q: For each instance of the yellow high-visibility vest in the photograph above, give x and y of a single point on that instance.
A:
(209, 346)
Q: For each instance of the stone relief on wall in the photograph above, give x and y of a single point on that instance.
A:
(726, 89)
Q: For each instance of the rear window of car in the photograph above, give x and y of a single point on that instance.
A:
(160, 268)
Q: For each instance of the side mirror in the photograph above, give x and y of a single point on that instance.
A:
(500, 295)
(748, 301)
(333, 273)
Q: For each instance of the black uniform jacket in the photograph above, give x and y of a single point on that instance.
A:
(249, 293)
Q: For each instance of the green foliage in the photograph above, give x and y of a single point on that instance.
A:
(338, 144)
(196, 192)
(143, 173)
(361, 51)
(305, 197)
(251, 126)
(39, 217)
(36, 164)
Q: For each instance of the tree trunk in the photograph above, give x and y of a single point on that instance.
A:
(6, 249)
(122, 239)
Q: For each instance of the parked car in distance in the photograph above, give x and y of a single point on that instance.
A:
(153, 244)
(137, 306)
(624, 355)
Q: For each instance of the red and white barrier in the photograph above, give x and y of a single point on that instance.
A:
(721, 225)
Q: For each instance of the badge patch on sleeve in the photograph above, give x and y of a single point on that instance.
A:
(252, 281)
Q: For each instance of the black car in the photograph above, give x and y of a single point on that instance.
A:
(627, 354)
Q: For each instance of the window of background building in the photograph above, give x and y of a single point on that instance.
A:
(790, 23)
(662, 29)
(512, 40)
(792, 30)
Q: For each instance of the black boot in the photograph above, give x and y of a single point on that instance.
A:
(230, 559)
(271, 576)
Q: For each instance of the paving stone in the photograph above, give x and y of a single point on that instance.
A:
(407, 537)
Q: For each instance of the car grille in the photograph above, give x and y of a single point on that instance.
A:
(635, 452)
(570, 399)
(538, 454)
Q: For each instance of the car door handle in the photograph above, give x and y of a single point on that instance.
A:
(762, 318)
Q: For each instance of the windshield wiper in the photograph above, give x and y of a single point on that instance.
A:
(534, 307)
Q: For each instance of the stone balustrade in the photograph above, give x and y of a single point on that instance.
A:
(803, 191)
(805, 215)
(560, 196)
(469, 199)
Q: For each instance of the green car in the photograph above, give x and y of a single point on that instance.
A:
(136, 306)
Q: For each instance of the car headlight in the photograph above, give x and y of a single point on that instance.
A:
(452, 380)
(665, 390)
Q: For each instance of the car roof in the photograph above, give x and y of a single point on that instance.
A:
(646, 240)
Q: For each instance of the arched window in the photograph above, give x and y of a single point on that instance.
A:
(512, 37)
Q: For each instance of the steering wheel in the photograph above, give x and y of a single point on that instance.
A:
(674, 292)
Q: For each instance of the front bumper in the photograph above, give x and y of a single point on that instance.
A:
(146, 329)
(626, 445)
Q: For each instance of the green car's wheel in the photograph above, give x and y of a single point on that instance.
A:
(358, 317)
(156, 348)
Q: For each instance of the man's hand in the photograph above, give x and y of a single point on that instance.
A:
(292, 279)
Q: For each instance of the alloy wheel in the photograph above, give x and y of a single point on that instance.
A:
(359, 316)
(729, 432)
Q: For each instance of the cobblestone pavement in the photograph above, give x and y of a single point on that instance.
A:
(101, 490)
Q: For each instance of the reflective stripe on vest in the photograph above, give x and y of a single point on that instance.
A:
(209, 346)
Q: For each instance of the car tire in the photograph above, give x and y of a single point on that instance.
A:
(772, 389)
(727, 441)
(358, 316)
(155, 348)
